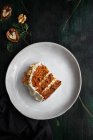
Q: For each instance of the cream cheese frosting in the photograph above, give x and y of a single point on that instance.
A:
(32, 89)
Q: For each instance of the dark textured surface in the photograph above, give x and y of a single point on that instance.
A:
(13, 125)
(47, 21)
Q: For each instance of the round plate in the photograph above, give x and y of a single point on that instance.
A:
(62, 64)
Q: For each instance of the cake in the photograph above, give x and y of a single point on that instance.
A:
(40, 81)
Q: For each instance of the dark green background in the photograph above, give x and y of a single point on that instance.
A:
(46, 20)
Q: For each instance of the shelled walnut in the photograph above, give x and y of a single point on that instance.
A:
(6, 12)
(12, 35)
(22, 18)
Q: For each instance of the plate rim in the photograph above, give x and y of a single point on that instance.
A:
(80, 77)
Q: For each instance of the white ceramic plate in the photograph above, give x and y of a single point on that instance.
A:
(62, 64)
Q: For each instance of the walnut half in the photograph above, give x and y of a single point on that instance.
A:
(22, 18)
(12, 35)
(6, 12)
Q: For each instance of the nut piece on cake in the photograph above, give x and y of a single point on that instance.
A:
(40, 81)
(12, 35)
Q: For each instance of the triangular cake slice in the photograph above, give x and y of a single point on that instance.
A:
(40, 81)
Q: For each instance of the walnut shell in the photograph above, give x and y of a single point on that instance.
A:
(13, 35)
(6, 12)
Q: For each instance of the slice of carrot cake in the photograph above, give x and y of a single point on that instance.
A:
(40, 81)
